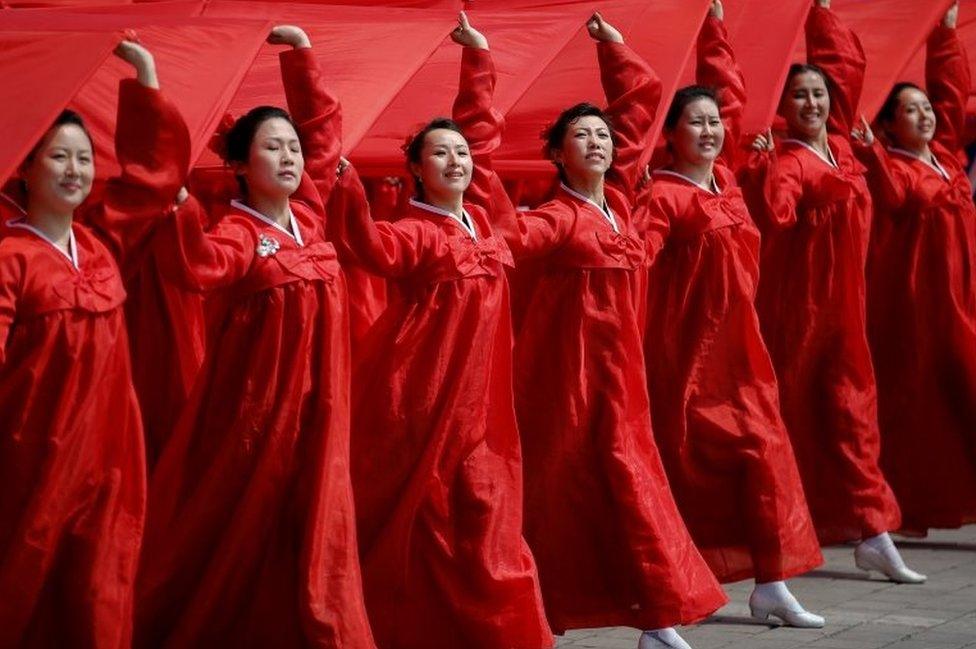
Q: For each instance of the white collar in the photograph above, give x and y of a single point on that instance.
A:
(467, 222)
(829, 158)
(295, 233)
(604, 209)
(714, 189)
(72, 254)
(933, 164)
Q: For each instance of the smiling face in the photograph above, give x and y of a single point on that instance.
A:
(274, 165)
(806, 105)
(698, 136)
(60, 173)
(445, 165)
(914, 122)
(587, 148)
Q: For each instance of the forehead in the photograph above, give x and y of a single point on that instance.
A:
(589, 122)
(912, 96)
(67, 136)
(444, 137)
(276, 127)
(703, 106)
(807, 80)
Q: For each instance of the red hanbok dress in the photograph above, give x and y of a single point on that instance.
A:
(713, 390)
(816, 219)
(250, 537)
(72, 463)
(922, 308)
(436, 462)
(600, 518)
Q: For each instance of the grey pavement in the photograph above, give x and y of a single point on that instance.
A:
(861, 612)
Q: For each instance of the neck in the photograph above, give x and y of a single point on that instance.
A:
(701, 173)
(589, 186)
(451, 203)
(818, 141)
(55, 225)
(275, 208)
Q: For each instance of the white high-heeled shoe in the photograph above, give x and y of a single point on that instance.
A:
(869, 558)
(652, 640)
(762, 608)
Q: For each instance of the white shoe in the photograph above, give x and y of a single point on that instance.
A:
(791, 613)
(662, 639)
(868, 558)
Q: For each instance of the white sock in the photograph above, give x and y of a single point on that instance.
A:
(777, 591)
(883, 544)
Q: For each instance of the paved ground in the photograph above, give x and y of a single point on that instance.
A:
(861, 613)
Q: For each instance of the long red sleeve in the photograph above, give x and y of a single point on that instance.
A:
(11, 278)
(948, 81)
(633, 92)
(481, 124)
(889, 185)
(773, 183)
(837, 50)
(717, 68)
(319, 119)
(152, 145)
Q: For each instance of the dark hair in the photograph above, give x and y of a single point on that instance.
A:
(556, 133)
(685, 96)
(802, 68)
(415, 147)
(890, 105)
(237, 145)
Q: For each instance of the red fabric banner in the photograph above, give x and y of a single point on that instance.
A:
(40, 72)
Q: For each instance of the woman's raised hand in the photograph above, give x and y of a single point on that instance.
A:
(862, 133)
(952, 16)
(466, 35)
(764, 141)
(141, 59)
(289, 35)
(717, 10)
(603, 31)
(822, 3)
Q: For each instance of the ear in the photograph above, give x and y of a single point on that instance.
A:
(239, 168)
(415, 169)
(556, 155)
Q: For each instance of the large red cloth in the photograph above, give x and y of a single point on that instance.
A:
(250, 537)
(72, 467)
(436, 460)
(816, 221)
(713, 390)
(922, 308)
(611, 547)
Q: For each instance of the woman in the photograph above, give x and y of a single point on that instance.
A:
(72, 465)
(712, 385)
(922, 292)
(436, 462)
(250, 538)
(812, 201)
(600, 518)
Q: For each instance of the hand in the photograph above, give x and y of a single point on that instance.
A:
(466, 35)
(764, 141)
(603, 31)
(863, 133)
(141, 59)
(717, 10)
(182, 195)
(645, 178)
(289, 35)
(952, 16)
(342, 166)
(822, 3)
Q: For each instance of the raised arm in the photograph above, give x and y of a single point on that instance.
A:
(837, 50)
(11, 279)
(383, 248)
(199, 260)
(889, 185)
(717, 68)
(633, 93)
(773, 187)
(152, 146)
(481, 124)
(948, 80)
(314, 110)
